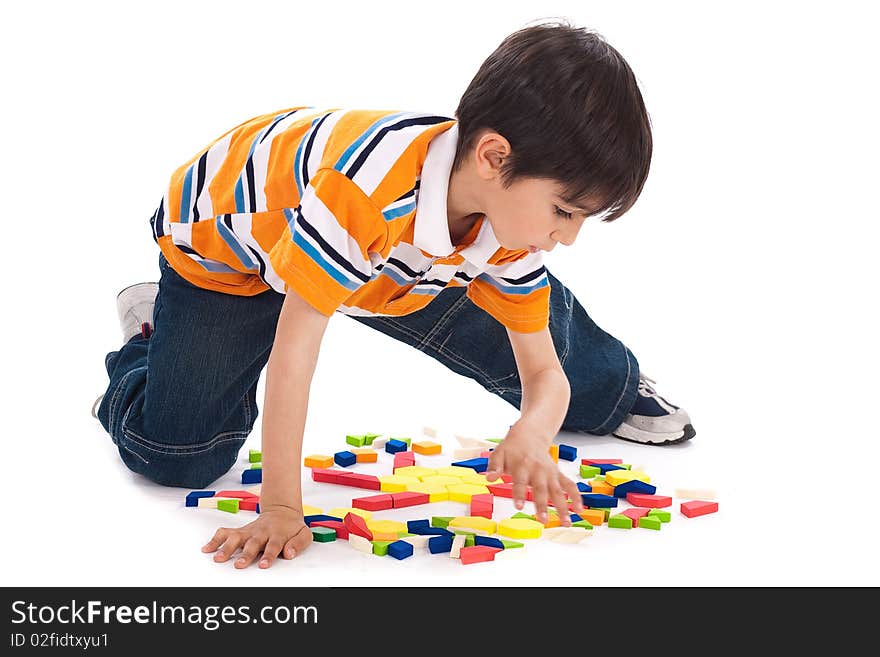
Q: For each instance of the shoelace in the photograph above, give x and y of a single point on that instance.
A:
(645, 389)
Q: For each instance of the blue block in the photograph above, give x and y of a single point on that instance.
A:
(598, 500)
(393, 446)
(605, 467)
(318, 516)
(568, 453)
(401, 549)
(422, 523)
(431, 531)
(193, 498)
(345, 458)
(252, 476)
(478, 464)
(437, 544)
(488, 540)
(584, 488)
(574, 517)
(633, 486)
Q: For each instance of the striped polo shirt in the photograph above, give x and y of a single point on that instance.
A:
(347, 208)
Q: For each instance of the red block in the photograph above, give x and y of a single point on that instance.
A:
(358, 480)
(338, 525)
(403, 460)
(241, 494)
(501, 490)
(506, 478)
(325, 475)
(648, 500)
(249, 504)
(357, 525)
(409, 498)
(696, 508)
(635, 513)
(601, 461)
(478, 553)
(373, 502)
(482, 505)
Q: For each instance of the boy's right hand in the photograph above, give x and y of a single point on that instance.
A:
(278, 530)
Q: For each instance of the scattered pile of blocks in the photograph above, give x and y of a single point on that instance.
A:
(469, 537)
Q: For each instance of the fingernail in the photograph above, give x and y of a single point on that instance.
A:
(264, 563)
(290, 553)
(240, 560)
(220, 554)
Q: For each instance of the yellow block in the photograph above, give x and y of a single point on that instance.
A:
(464, 492)
(617, 477)
(416, 471)
(436, 492)
(386, 527)
(442, 480)
(318, 461)
(473, 522)
(365, 454)
(427, 447)
(520, 528)
(395, 483)
(601, 486)
(455, 471)
(339, 512)
(554, 452)
(478, 478)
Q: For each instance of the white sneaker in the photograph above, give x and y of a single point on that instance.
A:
(135, 307)
(653, 420)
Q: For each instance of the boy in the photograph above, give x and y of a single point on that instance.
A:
(428, 229)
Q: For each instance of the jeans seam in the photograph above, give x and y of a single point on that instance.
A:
(444, 319)
(114, 400)
(168, 450)
(622, 392)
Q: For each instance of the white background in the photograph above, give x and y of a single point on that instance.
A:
(744, 279)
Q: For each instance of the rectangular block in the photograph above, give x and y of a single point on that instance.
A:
(427, 447)
(365, 454)
(192, 499)
(381, 502)
(318, 461)
(255, 456)
(408, 498)
(567, 452)
(337, 526)
(344, 458)
(240, 494)
(394, 446)
(649, 501)
(600, 461)
(696, 508)
(252, 476)
(356, 441)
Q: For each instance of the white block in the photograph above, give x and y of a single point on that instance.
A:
(419, 541)
(378, 443)
(360, 543)
(430, 431)
(465, 441)
(567, 534)
(463, 453)
(457, 544)
(255, 489)
(695, 493)
(211, 502)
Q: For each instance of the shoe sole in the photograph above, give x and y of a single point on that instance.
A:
(688, 430)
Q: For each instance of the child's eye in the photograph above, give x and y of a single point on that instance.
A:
(562, 213)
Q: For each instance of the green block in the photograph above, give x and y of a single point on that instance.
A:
(494, 440)
(599, 477)
(589, 471)
(607, 513)
(665, 516)
(582, 523)
(508, 544)
(621, 521)
(255, 456)
(441, 521)
(408, 441)
(625, 466)
(649, 522)
(323, 534)
(520, 514)
(463, 531)
(368, 438)
(380, 548)
(256, 466)
(228, 505)
(357, 441)
(404, 534)
(469, 540)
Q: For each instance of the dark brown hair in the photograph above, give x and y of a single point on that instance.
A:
(571, 109)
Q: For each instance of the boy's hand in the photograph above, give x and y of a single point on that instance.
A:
(277, 530)
(526, 457)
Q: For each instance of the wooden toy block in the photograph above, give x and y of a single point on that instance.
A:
(408, 498)
(604, 468)
(584, 524)
(358, 480)
(344, 459)
(455, 471)
(614, 477)
(370, 438)
(255, 489)
(635, 513)
(510, 545)
(600, 461)
(554, 452)
(494, 440)
(255, 456)
(440, 521)
(365, 454)
(620, 521)
(380, 548)
(467, 442)
(250, 504)
(396, 483)
(501, 490)
(420, 472)
(696, 508)
(318, 461)
(598, 500)
(462, 453)
(634, 486)
(340, 511)
(440, 480)
(394, 446)
(482, 505)
(337, 526)
(414, 525)
(404, 459)
(240, 494)
(308, 520)
(192, 499)
(256, 466)
(476, 464)
(355, 524)
(323, 534)
(488, 540)
(408, 441)
(360, 543)
(650, 522)
(252, 476)
(357, 441)
(441, 543)
(325, 475)
(400, 549)
(427, 447)
(664, 516)
(386, 526)
(435, 492)
(378, 443)
(567, 452)
(695, 493)
(464, 492)
(429, 431)
(648, 500)
(230, 505)
(208, 502)
(600, 487)
(389, 537)
(567, 534)
(593, 516)
(418, 541)
(458, 542)
(587, 471)
(520, 528)
(381, 502)
(473, 523)
(584, 487)
(477, 554)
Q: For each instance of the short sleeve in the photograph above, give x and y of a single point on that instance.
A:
(516, 292)
(323, 253)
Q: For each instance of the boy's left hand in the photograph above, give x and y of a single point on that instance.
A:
(525, 455)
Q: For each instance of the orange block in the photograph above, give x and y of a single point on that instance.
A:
(601, 486)
(593, 516)
(385, 536)
(553, 520)
(318, 461)
(554, 453)
(427, 447)
(365, 455)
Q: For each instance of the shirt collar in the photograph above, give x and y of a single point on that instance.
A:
(431, 230)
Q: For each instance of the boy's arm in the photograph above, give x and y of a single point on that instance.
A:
(524, 453)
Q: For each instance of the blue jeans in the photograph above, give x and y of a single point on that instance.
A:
(180, 403)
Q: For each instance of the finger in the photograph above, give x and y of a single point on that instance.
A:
(233, 541)
(573, 493)
(297, 543)
(252, 547)
(520, 481)
(496, 465)
(539, 497)
(557, 496)
(219, 536)
(271, 551)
